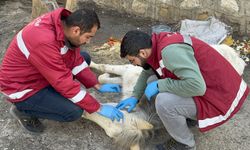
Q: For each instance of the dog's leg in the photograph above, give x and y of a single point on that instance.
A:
(105, 78)
(115, 69)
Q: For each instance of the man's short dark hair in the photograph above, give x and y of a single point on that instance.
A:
(133, 41)
(85, 19)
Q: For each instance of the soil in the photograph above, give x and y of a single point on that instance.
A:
(86, 135)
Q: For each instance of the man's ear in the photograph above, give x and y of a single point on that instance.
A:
(75, 30)
(144, 53)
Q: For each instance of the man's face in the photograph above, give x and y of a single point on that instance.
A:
(76, 38)
(137, 60)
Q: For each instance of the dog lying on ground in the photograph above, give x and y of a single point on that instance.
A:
(138, 125)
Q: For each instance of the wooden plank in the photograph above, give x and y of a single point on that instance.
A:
(40, 7)
(71, 5)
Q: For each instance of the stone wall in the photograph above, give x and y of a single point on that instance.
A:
(235, 13)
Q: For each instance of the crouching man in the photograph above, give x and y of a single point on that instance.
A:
(44, 75)
(192, 80)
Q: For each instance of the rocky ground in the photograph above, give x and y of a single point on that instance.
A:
(83, 134)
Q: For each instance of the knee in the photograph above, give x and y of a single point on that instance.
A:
(163, 104)
(159, 102)
(86, 57)
(74, 115)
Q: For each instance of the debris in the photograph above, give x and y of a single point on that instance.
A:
(112, 41)
(112, 44)
(243, 48)
(212, 31)
(228, 40)
(160, 28)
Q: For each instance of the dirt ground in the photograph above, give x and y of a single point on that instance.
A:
(83, 134)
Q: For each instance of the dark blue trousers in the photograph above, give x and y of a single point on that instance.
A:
(49, 104)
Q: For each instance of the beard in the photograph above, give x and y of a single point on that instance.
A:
(144, 63)
(72, 43)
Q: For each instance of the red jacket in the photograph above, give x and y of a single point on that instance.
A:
(38, 57)
(225, 89)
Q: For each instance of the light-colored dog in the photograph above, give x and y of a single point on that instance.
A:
(137, 125)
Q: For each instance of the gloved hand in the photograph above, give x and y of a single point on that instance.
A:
(114, 88)
(151, 89)
(110, 112)
(131, 102)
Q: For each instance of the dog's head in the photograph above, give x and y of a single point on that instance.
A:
(127, 132)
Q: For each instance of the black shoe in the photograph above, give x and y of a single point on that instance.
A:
(30, 123)
(191, 123)
(174, 145)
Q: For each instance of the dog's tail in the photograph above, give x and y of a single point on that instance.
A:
(231, 56)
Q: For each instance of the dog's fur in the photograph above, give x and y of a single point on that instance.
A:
(137, 125)
(127, 76)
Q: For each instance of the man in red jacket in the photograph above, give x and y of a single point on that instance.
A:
(191, 81)
(44, 75)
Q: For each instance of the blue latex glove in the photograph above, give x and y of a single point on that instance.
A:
(111, 112)
(113, 88)
(131, 102)
(151, 89)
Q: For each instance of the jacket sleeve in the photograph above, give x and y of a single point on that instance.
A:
(48, 61)
(82, 72)
(141, 83)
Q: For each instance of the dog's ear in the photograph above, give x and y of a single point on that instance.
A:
(143, 125)
(136, 121)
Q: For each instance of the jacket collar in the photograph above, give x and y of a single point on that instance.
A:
(57, 17)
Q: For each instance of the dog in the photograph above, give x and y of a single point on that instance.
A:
(142, 123)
